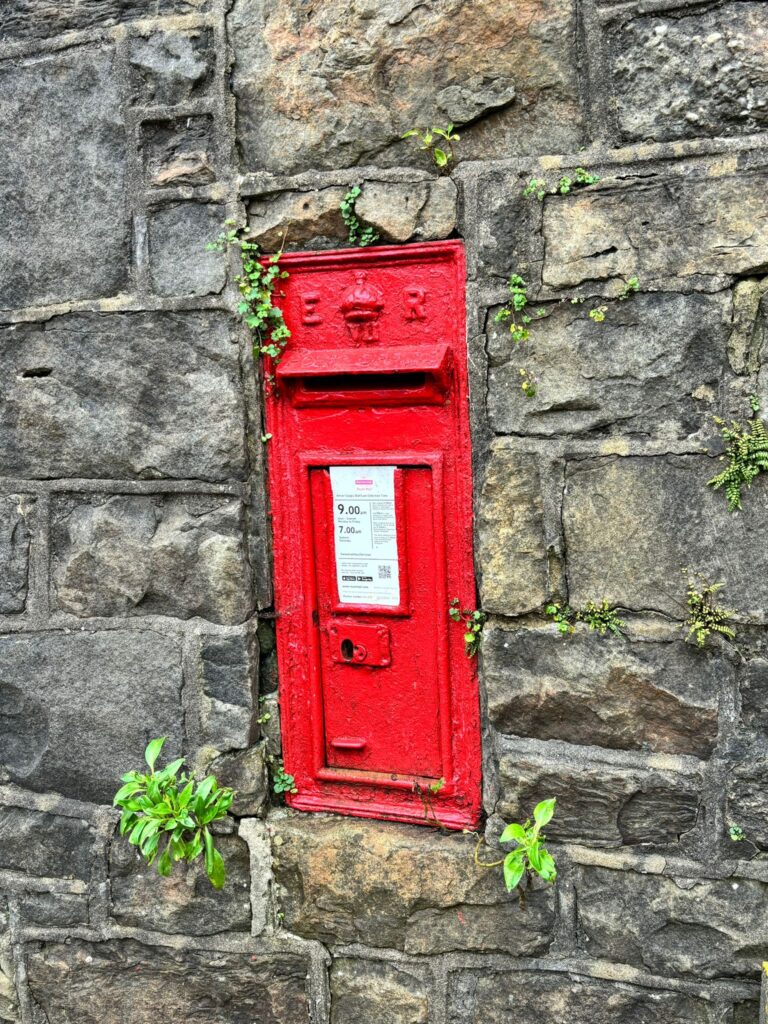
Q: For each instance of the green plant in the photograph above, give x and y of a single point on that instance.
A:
(598, 314)
(167, 815)
(528, 382)
(257, 285)
(737, 833)
(514, 310)
(631, 285)
(530, 856)
(282, 781)
(601, 618)
(746, 452)
(438, 141)
(537, 188)
(473, 625)
(564, 617)
(358, 235)
(704, 616)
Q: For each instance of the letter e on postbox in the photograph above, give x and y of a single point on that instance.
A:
(371, 494)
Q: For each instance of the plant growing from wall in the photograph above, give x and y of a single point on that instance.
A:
(168, 816)
(600, 618)
(530, 856)
(257, 284)
(282, 781)
(537, 188)
(357, 234)
(437, 141)
(704, 615)
(746, 452)
(514, 313)
(473, 625)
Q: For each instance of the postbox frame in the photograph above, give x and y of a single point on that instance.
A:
(347, 790)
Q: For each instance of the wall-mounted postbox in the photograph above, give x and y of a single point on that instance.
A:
(371, 495)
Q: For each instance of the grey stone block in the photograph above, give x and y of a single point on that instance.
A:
(9, 1005)
(517, 997)
(246, 772)
(690, 74)
(170, 67)
(519, 70)
(93, 982)
(660, 697)
(343, 880)
(77, 709)
(696, 927)
(185, 902)
(653, 368)
(143, 555)
(600, 805)
(128, 395)
(44, 844)
(179, 262)
(66, 233)
(512, 552)
(228, 671)
(53, 910)
(747, 800)
(36, 19)
(15, 536)
(363, 990)
(178, 152)
(631, 524)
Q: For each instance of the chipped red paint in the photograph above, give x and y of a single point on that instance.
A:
(377, 702)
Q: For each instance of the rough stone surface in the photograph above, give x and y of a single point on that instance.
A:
(53, 910)
(363, 990)
(403, 887)
(93, 982)
(652, 368)
(659, 697)
(691, 73)
(77, 709)
(178, 152)
(498, 997)
(15, 538)
(142, 555)
(39, 18)
(246, 773)
(65, 230)
(512, 553)
(169, 67)
(753, 688)
(300, 74)
(179, 262)
(600, 805)
(9, 1006)
(632, 523)
(663, 233)
(419, 211)
(49, 845)
(185, 902)
(128, 395)
(228, 677)
(693, 927)
(747, 799)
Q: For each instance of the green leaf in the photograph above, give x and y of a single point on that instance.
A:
(153, 749)
(543, 812)
(164, 863)
(125, 791)
(513, 871)
(216, 871)
(513, 832)
(547, 868)
(441, 158)
(410, 133)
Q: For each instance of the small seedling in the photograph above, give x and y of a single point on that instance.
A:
(473, 625)
(704, 616)
(601, 618)
(437, 141)
(528, 383)
(631, 286)
(265, 438)
(167, 815)
(530, 857)
(514, 310)
(737, 833)
(358, 235)
(598, 314)
(282, 781)
(746, 452)
(537, 188)
(562, 616)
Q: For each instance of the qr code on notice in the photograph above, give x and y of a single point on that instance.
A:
(385, 572)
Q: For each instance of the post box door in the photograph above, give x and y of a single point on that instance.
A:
(380, 663)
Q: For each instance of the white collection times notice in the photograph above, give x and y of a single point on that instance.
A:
(365, 535)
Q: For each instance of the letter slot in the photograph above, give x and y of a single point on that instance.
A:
(371, 495)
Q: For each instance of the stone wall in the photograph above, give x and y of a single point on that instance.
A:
(135, 594)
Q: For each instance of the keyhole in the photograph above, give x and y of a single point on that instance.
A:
(347, 650)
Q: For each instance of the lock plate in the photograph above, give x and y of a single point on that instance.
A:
(355, 643)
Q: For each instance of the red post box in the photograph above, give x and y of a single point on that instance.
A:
(371, 493)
